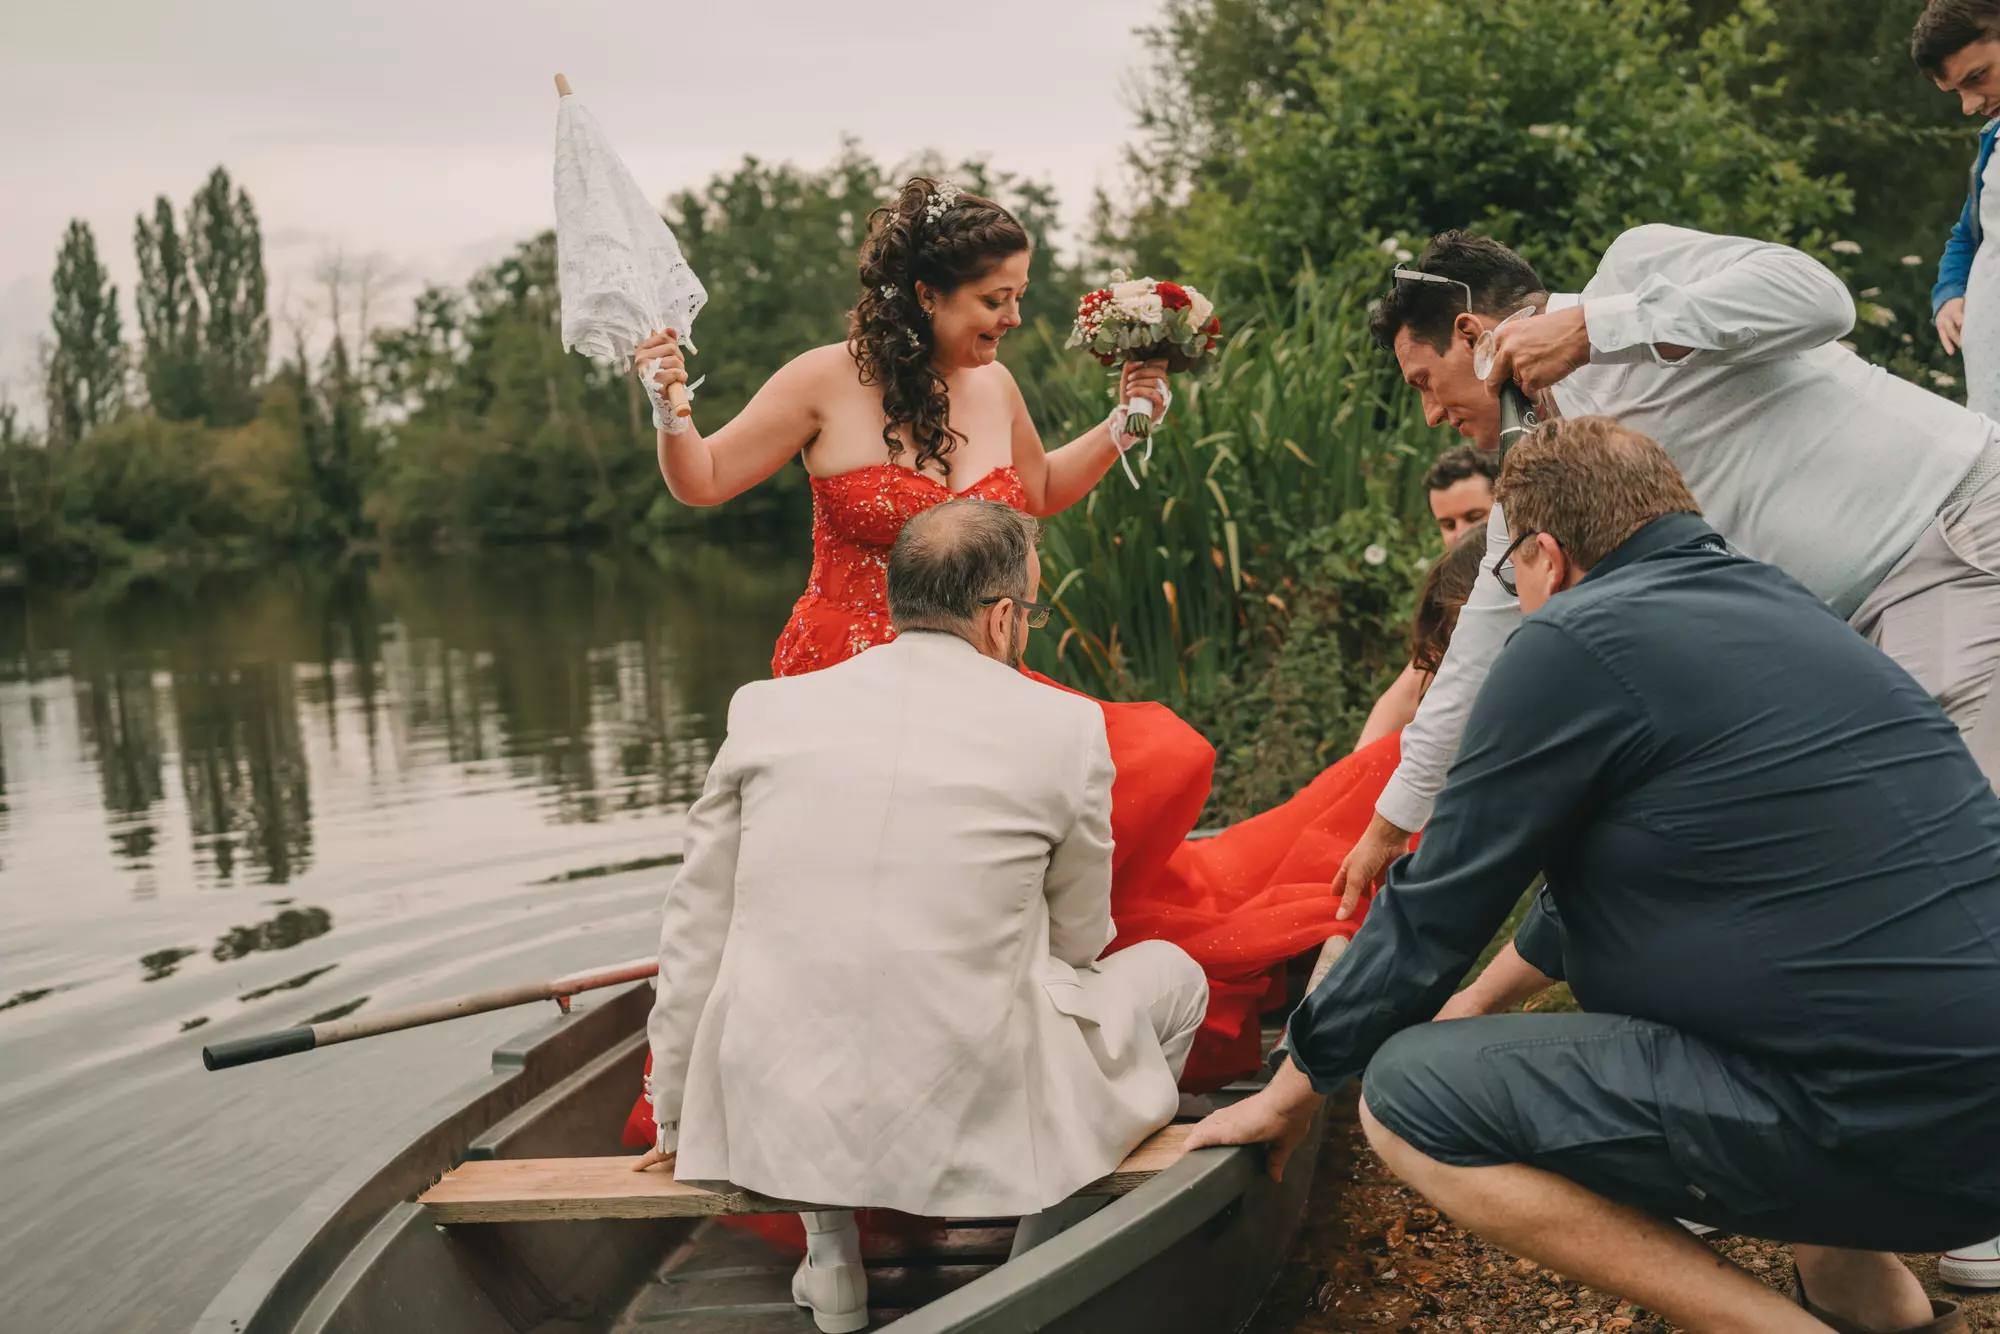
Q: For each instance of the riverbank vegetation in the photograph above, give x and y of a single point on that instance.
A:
(1288, 153)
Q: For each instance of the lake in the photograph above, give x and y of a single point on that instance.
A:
(250, 801)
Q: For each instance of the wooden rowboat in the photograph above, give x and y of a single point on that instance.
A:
(1189, 1245)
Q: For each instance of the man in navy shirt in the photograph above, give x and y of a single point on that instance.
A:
(1777, 872)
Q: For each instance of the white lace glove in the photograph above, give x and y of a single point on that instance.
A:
(1124, 442)
(664, 416)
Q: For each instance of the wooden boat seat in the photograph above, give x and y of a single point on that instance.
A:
(524, 1190)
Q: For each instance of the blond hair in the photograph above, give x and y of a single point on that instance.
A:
(1590, 484)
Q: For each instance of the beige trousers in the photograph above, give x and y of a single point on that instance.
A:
(1937, 613)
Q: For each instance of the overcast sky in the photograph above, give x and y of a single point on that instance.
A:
(418, 132)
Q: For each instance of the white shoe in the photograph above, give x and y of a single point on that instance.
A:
(1972, 1266)
(837, 1296)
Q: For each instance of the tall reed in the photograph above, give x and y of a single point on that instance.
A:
(1299, 444)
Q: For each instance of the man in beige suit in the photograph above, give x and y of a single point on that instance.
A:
(879, 974)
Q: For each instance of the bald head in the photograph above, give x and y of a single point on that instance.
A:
(951, 558)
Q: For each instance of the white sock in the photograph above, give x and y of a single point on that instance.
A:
(832, 1238)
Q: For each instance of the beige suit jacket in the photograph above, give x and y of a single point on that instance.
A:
(868, 988)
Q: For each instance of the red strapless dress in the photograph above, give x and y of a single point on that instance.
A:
(1241, 903)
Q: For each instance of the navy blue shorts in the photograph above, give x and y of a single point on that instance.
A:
(1653, 1118)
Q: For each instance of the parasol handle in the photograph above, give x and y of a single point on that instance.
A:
(562, 86)
(677, 399)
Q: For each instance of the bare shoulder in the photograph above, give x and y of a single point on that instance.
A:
(823, 367)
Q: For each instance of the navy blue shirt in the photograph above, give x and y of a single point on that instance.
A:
(1755, 828)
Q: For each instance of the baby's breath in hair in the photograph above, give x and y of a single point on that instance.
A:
(943, 199)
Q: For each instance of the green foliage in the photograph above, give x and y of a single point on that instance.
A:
(1299, 451)
(86, 363)
(1551, 124)
(169, 318)
(226, 252)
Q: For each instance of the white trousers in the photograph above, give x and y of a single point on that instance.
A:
(1160, 981)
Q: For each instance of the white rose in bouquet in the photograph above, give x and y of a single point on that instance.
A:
(1146, 309)
(1200, 309)
(1128, 291)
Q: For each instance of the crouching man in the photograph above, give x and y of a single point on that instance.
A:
(879, 975)
(1777, 871)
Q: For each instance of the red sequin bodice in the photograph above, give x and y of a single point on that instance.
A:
(856, 517)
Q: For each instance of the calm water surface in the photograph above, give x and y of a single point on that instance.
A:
(260, 800)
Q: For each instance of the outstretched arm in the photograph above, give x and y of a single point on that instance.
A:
(1056, 479)
(779, 422)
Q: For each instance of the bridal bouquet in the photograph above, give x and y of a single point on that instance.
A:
(1144, 320)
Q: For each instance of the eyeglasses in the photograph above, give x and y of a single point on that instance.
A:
(1038, 613)
(1503, 569)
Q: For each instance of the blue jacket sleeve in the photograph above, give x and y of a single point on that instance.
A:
(1955, 265)
(1549, 735)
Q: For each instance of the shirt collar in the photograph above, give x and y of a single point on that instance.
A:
(1562, 301)
(1671, 530)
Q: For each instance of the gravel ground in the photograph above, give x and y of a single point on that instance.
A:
(1374, 1256)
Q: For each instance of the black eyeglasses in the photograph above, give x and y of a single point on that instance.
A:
(1038, 612)
(1503, 569)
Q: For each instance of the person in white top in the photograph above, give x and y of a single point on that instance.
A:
(879, 974)
(1879, 496)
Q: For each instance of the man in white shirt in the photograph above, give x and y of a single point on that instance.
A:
(1880, 497)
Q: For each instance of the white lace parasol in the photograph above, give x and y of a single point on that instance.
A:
(620, 270)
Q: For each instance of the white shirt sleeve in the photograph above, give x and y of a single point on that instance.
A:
(1731, 299)
(1430, 742)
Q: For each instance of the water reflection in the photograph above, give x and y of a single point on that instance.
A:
(597, 684)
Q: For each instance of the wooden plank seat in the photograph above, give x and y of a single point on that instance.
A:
(525, 1190)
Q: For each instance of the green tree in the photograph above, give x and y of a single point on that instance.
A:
(86, 363)
(169, 318)
(1553, 124)
(226, 251)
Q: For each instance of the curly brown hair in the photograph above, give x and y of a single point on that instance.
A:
(888, 334)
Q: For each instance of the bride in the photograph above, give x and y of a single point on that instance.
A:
(915, 408)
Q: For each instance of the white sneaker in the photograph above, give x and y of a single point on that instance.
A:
(837, 1296)
(1972, 1266)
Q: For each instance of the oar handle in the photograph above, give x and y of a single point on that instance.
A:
(261, 1047)
(308, 1037)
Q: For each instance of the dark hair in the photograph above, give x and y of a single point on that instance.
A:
(1947, 27)
(1501, 282)
(1590, 484)
(888, 334)
(1455, 465)
(1446, 588)
(952, 555)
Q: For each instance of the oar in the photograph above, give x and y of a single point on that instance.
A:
(285, 1041)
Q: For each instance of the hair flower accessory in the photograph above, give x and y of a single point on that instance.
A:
(944, 197)
(889, 292)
